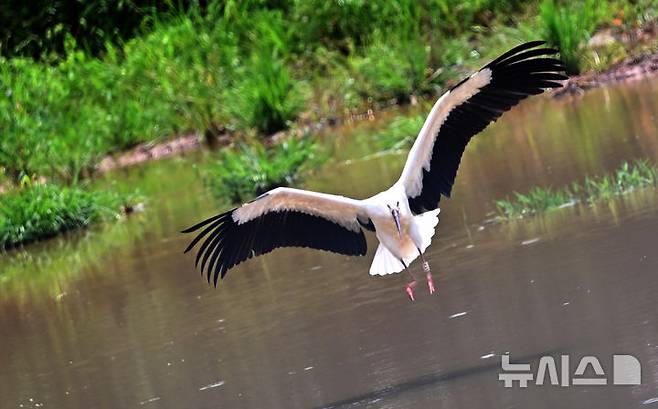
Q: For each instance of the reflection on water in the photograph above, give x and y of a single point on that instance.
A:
(121, 319)
(47, 270)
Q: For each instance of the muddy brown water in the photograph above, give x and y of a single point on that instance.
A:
(118, 318)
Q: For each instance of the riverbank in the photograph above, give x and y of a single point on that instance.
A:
(640, 61)
(630, 69)
(45, 210)
(592, 136)
(251, 71)
(250, 78)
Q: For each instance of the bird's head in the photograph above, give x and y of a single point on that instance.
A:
(395, 213)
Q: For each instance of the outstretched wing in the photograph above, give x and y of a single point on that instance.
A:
(467, 109)
(282, 217)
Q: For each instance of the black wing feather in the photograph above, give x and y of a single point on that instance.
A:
(516, 50)
(228, 243)
(515, 75)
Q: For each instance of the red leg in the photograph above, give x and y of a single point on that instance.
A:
(430, 283)
(409, 288)
(428, 274)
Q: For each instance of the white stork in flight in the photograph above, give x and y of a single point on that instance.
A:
(403, 217)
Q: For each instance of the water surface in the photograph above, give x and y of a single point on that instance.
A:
(117, 317)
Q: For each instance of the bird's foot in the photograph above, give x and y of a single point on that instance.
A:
(428, 274)
(410, 290)
(430, 283)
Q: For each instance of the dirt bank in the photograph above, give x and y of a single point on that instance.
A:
(148, 152)
(631, 69)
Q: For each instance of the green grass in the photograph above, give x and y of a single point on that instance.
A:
(254, 66)
(229, 66)
(42, 211)
(627, 178)
(392, 71)
(569, 25)
(270, 98)
(241, 173)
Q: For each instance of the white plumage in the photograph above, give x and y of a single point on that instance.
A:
(423, 227)
(405, 216)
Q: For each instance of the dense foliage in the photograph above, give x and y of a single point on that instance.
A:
(41, 211)
(38, 28)
(81, 80)
(248, 170)
(230, 65)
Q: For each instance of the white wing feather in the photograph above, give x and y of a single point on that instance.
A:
(339, 209)
(420, 154)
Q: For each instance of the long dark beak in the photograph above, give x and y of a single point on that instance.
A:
(396, 217)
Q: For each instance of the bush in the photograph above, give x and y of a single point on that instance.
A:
(42, 211)
(350, 25)
(239, 174)
(39, 28)
(344, 25)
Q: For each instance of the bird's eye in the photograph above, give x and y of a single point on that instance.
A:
(398, 204)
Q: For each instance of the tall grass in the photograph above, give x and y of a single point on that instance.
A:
(59, 121)
(271, 96)
(625, 179)
(569, 25)
(248, 170)
(268, 95)
(42, 211)
(392, 71)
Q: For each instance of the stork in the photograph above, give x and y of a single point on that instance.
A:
(403, 217)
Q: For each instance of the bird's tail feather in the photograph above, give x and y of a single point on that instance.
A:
(385, 262)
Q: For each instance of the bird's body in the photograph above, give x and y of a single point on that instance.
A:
(403, 217)
(415, 233)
